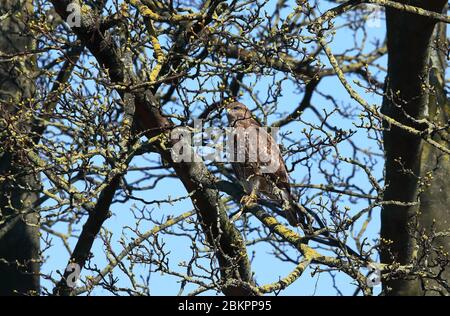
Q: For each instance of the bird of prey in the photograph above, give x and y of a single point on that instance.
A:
(251, 159)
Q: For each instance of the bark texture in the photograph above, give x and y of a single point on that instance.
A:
(417, 174)
(19, 230)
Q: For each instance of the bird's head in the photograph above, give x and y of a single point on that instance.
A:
(237, 111)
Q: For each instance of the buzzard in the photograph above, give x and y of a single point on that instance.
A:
(258, 164)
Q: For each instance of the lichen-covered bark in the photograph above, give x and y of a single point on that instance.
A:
(435, 168)
(19, 238)
(408, 159)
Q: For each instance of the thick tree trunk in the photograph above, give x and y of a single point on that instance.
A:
(417, 174)
(19, 231)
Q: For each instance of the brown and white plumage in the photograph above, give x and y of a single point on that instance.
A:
(253, 173)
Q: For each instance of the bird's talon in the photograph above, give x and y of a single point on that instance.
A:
(249, 201)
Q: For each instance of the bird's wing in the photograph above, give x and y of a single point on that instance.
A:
(270, 157)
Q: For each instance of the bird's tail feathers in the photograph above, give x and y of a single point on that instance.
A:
(296, 215)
